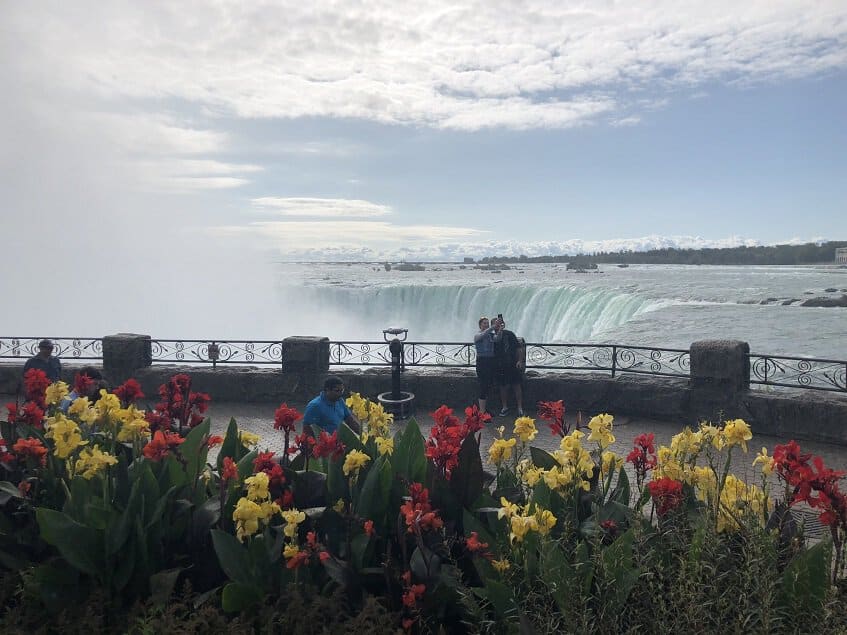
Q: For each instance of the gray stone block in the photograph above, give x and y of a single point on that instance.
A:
(722, 365)
(304, 354)
(124, 354)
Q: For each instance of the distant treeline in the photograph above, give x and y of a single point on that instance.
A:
(810, 253)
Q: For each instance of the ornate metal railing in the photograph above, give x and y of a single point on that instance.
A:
(73, 347)
(799, 372)
(217, 352)
(612, 358)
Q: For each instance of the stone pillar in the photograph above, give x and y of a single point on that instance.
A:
(125, 353)
(304, 354)
(720, 365)
(720, 374)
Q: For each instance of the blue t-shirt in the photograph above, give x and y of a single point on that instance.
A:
(325, 414)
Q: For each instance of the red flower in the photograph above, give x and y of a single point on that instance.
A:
(418, 511)
(643, 455)
(327, 445)
(24, 487)
(83, 384)
(304, 444)
(369, 527)
(445, 440)
(128, 392)
(229, 470)
(554, 413)
(32, 415)
(474, 545)
(295, 562)
(666, 493)
(161, 445)
(31, 448)
(35, 383)
(475, 420)
(285, 417)
(12, 407)
(214, 441)
(5, 455)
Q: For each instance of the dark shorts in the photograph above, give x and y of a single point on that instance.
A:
(486, 370)
(508, 374)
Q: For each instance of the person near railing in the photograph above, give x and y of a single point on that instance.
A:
(510, 355)
(328, 410)
(45, 361)
(485, 363)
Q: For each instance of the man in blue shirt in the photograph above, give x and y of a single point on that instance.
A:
(328, 409)
(45, 361)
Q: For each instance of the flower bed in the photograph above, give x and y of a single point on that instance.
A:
(102, 499)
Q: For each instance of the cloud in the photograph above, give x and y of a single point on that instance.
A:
(447, 65)
(330, 207)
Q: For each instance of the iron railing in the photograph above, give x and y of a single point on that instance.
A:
(612, 358)
(216, 352)
(88, 348)
(765, 370)
(799, 372)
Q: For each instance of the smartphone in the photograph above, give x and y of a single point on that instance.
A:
(500, 316)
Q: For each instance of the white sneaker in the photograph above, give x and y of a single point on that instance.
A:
(504, 412)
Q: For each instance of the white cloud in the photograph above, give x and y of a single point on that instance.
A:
(452, 65)
(334, 207)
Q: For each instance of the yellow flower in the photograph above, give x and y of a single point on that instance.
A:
(358, 406)
(290, 551)
(108, 407)
(384, 445)
(92, 461)
(686, 443)
(137, 428)
(528, 473)
(609, 461)
(525, 428)
(257, 487)
(572, 443)
(508, 508)
(766, 461)
(269, 509)
(339, 506)
(292, 517)
(248, 439)
(601, 430)
(714, 435)
(706, 483)
(56, 392)
(246, 516)
(65, 434)
(501, 450)
(378, 421)
(737, 432)
(354, 461)
(521, 526)
(501, 565)
(545, 520)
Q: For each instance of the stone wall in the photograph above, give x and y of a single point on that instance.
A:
(718, 387)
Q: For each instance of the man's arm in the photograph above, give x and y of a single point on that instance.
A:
(521, 353)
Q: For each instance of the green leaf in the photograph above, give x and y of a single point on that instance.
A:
(372, 501)
(542, 459)
(359, 550)
(309, 489)
(237, 597)
(502, 600)
(205, 517)
(424, 563)
(81, 546)
(245, 465)
(195, 449)
(621, 492)
(467, 479)
(162, 585)
(230, 446)
(349, 438)
(409, 458)
(118, 533)
(233, 557)
(58, 585)
(8, 492)
(806, 579)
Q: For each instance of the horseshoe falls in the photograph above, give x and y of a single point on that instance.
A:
(667, 306)
(447, 313)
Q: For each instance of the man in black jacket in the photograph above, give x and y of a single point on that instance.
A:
(510, 352)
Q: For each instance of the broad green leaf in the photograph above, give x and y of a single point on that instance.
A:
(162, 585)
(542, 458)
(195, 450)
(233, 557)
(373, 498)
(349, 438)
(230, 445)
(806, 579)
(409, 458)
(205, 517)
(120, 530)
(245, 465)
(8, 492)
(621, 492)
(467, 479)
(81, 546)
(425, 564)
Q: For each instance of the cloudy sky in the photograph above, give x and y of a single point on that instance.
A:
(143, 139)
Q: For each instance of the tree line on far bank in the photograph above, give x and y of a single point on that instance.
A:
(809, 253)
